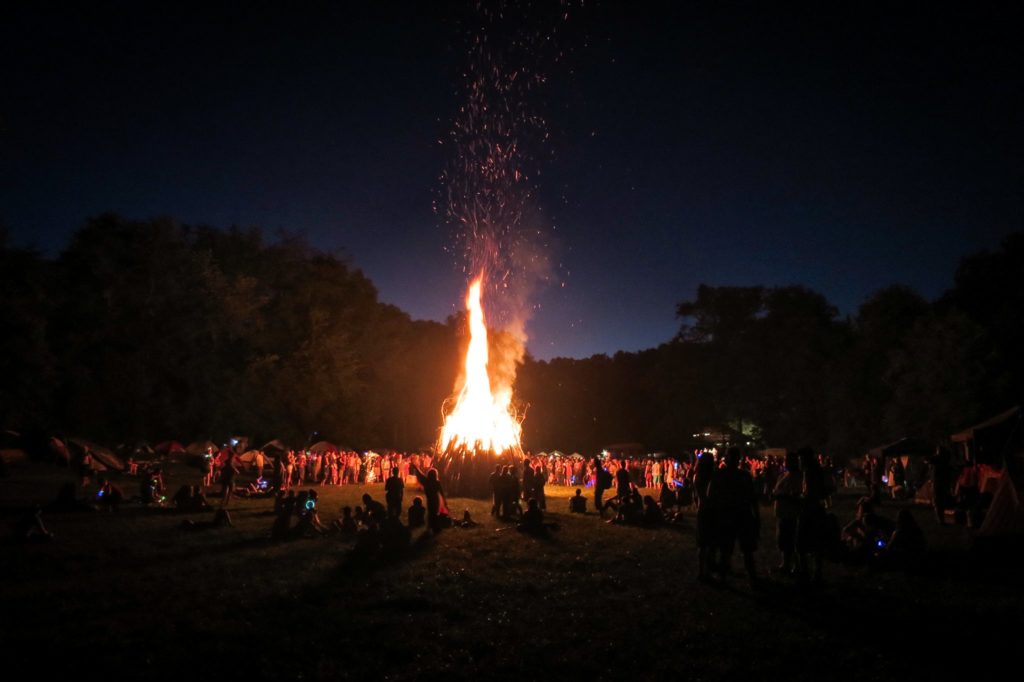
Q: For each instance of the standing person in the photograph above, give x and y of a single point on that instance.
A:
(228, 473)
(495, 481)
(602, 481)
(812, 524)
(540, 477)
(529, 481)
(622, 481)
(941, 479)
(434, 493)
(786, 496)
(733, 497)
(394, 491)
(702, 477)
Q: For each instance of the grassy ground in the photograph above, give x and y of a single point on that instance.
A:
(132, 594)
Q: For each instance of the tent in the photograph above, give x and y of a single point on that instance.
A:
(322, 447)
(925, 494)
(903, 447)
(200, 447)
(576, 455)
(100, 455)
(254, 458)
(1005, 516)
(168, 447)
(626, 450)
(993, 439)
(12, 455)
(60, 451)
(274, 448)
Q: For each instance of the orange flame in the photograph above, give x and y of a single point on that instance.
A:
(482, 419)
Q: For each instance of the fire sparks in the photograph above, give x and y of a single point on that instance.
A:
(483, 419)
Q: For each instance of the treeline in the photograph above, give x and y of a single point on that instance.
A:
(782, 367)
(152, 330)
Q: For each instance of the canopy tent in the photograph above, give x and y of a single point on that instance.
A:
(1005, 516)
(626, 449)
(902, 448)
(994, 439)
(322, 447)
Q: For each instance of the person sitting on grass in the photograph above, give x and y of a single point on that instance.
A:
(533, 520)
(467, 520)
(110, 496)
(653, 516)
(578, 503)
(906, 546)
(346, 525)
(374, 509)
(667, 496)
(283, 519)
(417, 513)
(309, 520)
(220, 519)
(863, 535)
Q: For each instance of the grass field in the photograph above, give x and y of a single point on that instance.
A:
(132, 595)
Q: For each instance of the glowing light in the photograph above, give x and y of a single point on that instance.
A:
(483, 418)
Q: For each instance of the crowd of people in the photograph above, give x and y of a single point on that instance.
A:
(723, 493)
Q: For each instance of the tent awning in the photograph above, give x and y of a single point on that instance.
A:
(968, 434)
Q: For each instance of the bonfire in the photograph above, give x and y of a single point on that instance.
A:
(481, 428)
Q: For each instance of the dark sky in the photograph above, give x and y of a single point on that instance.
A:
(690, 143)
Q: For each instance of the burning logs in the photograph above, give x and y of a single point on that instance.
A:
(466, 472)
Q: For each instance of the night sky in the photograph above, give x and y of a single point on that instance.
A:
(689, 144)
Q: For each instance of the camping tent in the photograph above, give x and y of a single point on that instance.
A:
(274, 448)
(100, 455)
(200, 447)
(993, 439)
(253, 458)
(322, 447)
(1005, 516)
(168, 447)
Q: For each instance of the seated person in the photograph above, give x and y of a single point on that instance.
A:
(110, 496)
(467, 521)
(667, 497)
(309, 521)
(862, 535)
(652, 515)
(906, 545)
(533, 520)
(578, 504)
(417, 513)
(346, 525)
(374, 509)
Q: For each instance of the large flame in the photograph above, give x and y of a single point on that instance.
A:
(483, 419)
